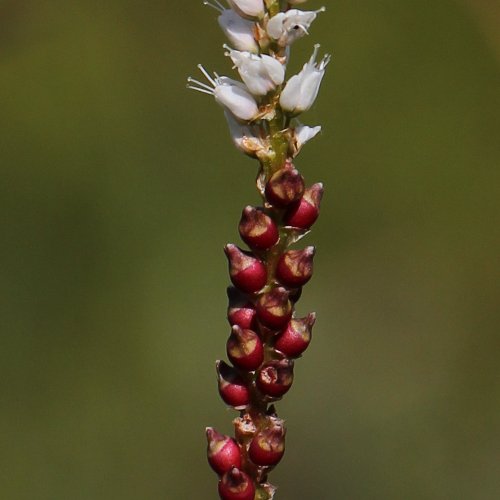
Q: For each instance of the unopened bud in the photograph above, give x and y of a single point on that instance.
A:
(293, 341)
(236, 485)
(285, 186)
(276, 377)
(245, 349)
(268, 445)
(295, 267)
(246, 271)
(257, 229)
(303, 213)
(223, 453)
(232, 387)
(240, 311)
(274, 308)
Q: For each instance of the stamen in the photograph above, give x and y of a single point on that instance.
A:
(217, 78)
(315, 53)
(218, 7)
(299, 27)
(201, 84)
(324, 62)
(207, 76)
(203, 91)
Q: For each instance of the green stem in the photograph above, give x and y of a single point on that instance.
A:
(273, 7)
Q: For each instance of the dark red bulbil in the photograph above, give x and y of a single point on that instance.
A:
(268, 445)
(223, 453)
(232, 388)
(257, 229)
(245, 349)
(240, 310)
(247, 272)
(236, 485)
(285, 187)
(276, 377)
(295, 338)
(304, 212)
(274, 308)
(295, 267)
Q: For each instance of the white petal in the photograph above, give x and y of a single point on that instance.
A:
(237, 100)
(303, 134)
(239, 31)
(291, 94)
(275, 69)
(275, 25)
(248, 8)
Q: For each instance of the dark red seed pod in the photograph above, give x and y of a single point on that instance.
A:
(236, 485)
(240, 310)
(232, 387)
(303, 213)
(247, 273)
(268, 446)
(295, 267)
(245, 349)
(285, 186)
(274, 308)
(276, 377)
(222, 452)
(295, 338)
(257, 229)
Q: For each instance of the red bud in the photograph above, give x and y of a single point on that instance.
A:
(223, 453)
(232, 387)
(276, 377)
(236, 485)
(303, 213)
(274, 308)
(293, 341)
(285, 186)
(245, 349)
(240, 311)
(246, 271)
(268, 446)
(295, 267)
(257, 229)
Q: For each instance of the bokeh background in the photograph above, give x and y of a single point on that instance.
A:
(119, 188)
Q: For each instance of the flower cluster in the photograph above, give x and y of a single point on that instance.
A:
(266, 336)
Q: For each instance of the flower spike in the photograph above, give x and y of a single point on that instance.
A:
(268, 275)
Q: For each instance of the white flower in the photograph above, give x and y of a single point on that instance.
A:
(247, 138)
(286, 27)
(229, 93)
(248, 8)
(239, 31)
(301, 135)
(302, 89)
(261, 74)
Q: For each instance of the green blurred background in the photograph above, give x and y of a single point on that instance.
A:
(118, 190)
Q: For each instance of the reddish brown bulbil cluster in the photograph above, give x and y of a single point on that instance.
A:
(265, 337)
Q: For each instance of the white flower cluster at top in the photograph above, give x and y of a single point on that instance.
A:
(260, 35)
